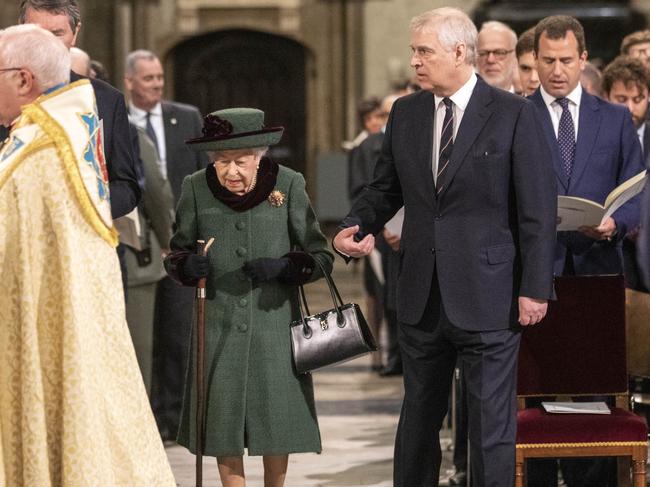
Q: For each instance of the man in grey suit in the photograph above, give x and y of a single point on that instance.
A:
(168, 125)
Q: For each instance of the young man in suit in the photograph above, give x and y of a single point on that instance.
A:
(594, 148)
(470, 165)
(63, 19)
(625, 82)
(168, 125)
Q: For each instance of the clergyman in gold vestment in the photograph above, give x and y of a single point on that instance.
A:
(73, 408)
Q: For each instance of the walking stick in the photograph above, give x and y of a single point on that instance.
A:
(200, 366)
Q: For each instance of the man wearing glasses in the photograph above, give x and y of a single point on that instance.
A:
(497, 63)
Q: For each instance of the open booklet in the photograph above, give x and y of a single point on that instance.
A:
(576, 407)
(574, 212)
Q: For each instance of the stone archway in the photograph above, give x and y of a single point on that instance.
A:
(248, 68)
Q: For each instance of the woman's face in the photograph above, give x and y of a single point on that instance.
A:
(236, 169)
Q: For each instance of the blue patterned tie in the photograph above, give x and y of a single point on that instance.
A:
(446, 144)
(566, 137)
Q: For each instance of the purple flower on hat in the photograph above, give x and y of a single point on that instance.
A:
(215, 126)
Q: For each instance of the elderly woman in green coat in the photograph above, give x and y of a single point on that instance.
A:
(267, 240)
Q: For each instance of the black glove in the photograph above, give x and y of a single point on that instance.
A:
(196, 266)
(265, 269)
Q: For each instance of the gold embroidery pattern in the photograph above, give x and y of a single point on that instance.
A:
(524, 446)
(56, 132)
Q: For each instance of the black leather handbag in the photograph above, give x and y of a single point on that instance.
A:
(330, 337)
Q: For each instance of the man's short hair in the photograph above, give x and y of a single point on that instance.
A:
(452, 26)
(66, 7)
(628, 70)
(37, 50)
(638, 37)
(500, 27)
(557, 26)
(133, 57)
(366, 107)
(526, 42)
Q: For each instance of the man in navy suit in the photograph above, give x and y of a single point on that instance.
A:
(470, 166)
(594, 148)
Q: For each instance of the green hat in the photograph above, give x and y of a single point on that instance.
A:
(235, 128)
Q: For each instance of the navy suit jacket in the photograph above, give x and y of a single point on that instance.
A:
(489, 235)
(608, 153)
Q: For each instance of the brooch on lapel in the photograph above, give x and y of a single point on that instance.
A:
(276, 198)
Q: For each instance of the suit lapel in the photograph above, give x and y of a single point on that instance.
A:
(169, 128)
(545, 117)
(476, 115)
(587, 132)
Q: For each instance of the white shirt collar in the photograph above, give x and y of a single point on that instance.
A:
(140, 113)
(573, 97)
(462, 96)
(641, 131)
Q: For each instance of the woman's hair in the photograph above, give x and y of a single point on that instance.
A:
(257, 151)
(37, 50)
(452, 26)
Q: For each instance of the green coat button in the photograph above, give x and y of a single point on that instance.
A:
(240, 225)
(242, 327)
(243, 302)
(241, 251)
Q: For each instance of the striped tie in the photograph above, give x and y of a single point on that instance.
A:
(446, 143)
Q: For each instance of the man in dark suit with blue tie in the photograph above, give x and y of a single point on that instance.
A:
(470, 166)
(594, 148)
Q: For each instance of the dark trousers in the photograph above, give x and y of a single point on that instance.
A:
(489, 362)
(171, 335)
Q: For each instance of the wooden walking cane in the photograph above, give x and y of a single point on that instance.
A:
(200, 366)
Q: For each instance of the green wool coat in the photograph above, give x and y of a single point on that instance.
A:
(255, 398)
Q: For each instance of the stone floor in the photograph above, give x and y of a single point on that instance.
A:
(358, 413)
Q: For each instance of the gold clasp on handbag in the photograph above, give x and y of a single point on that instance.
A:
(323, 324)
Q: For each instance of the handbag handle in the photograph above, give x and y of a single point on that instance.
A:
(336, 299)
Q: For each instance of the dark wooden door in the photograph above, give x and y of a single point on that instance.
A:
(243, 68)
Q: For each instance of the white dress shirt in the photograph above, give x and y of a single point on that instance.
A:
(460, 99)
(555, 110)
(138, 117)
(640, 132)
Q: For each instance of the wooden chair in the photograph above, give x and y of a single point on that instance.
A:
(579, 350)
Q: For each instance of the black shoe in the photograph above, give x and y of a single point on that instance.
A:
(391, 371)
(459, 478)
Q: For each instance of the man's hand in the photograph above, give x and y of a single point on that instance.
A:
(344, 243)
(605, 231)
(531, 311)
(392, 239)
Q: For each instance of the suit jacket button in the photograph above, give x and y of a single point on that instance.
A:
(433, 251)
(438, 217)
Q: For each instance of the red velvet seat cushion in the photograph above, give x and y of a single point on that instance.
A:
(534, 425)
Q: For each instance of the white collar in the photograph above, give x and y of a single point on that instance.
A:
(462, 96)
(140, 113)
(573, 97)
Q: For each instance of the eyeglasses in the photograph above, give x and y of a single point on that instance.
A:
(499, 54)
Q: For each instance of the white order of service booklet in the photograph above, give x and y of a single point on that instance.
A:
(574, 212)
